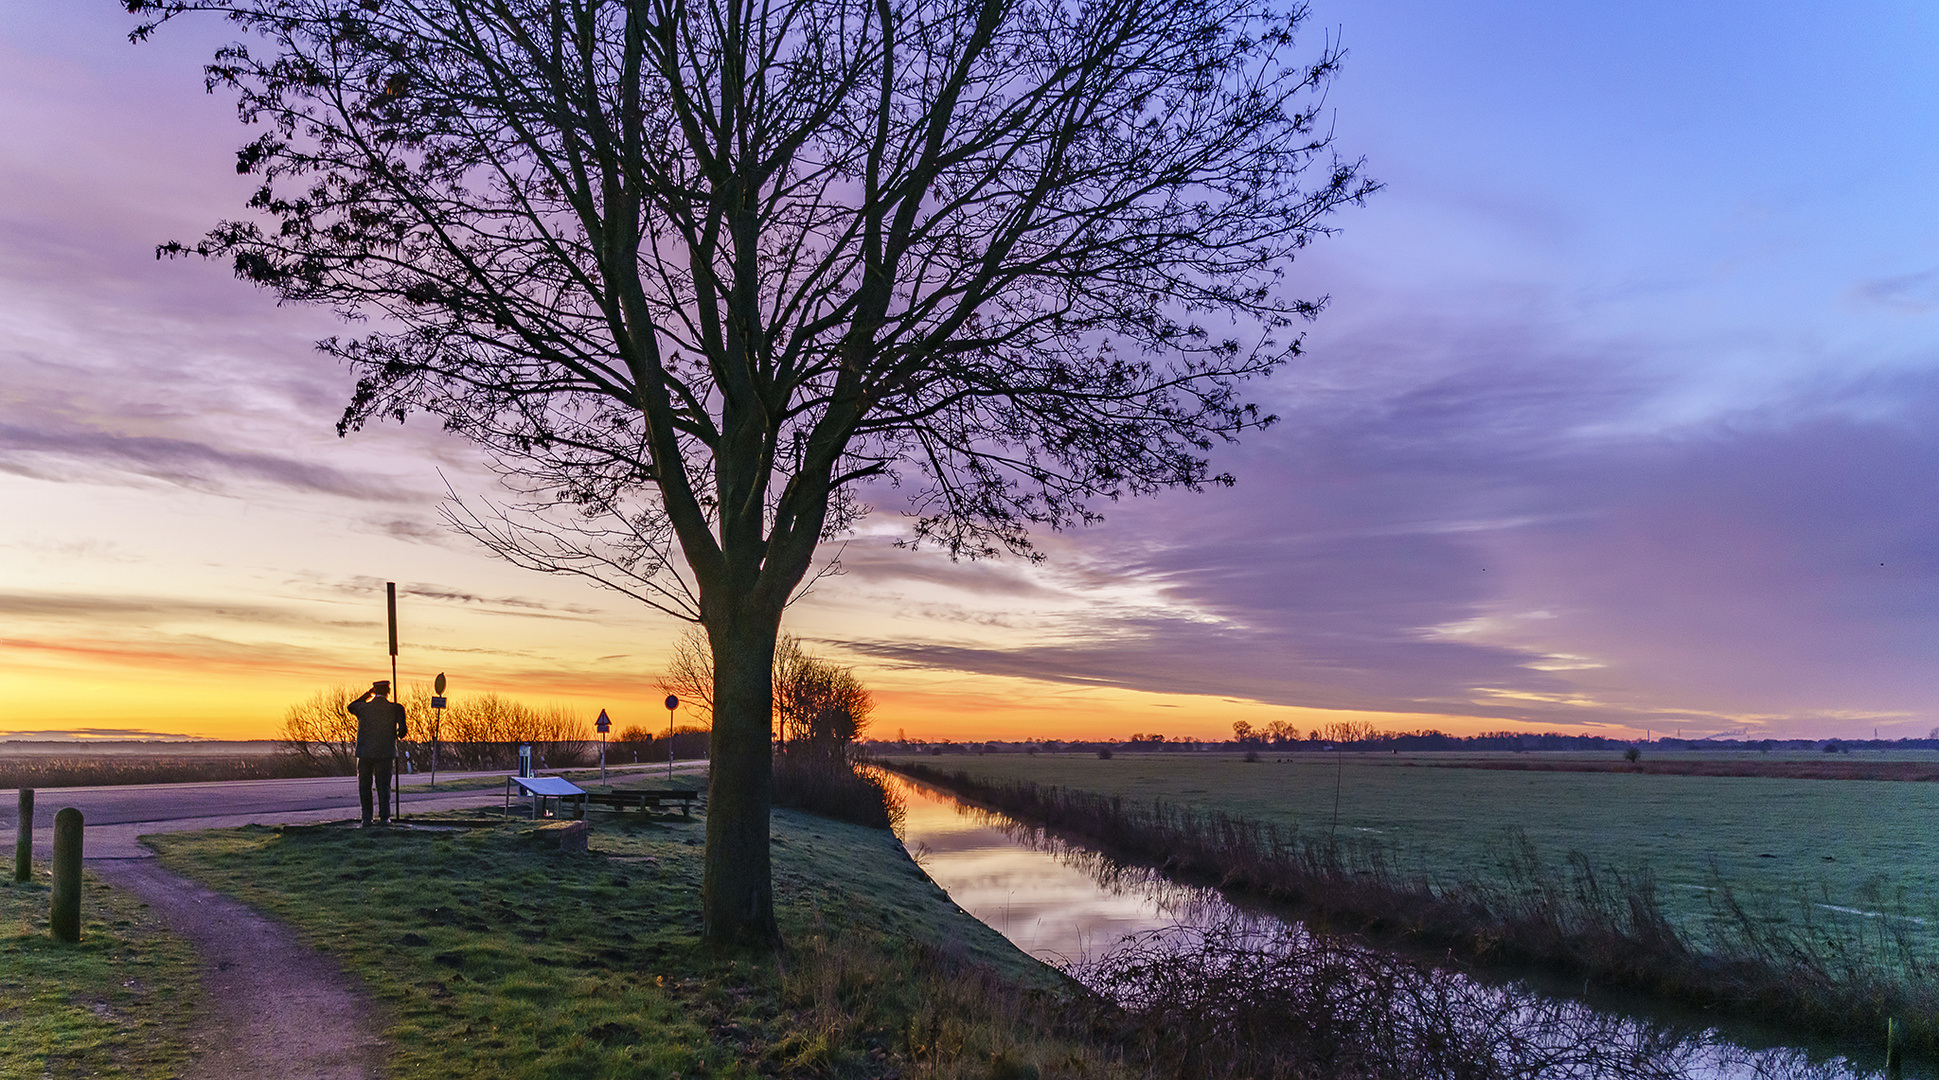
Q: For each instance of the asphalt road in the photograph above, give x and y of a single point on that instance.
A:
(116, 816)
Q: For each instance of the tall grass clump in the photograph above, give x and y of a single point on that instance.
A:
(1240, 998)
(1589, 923)
(926, 1010)
(832, 788)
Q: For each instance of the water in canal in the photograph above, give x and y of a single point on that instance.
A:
(1072, 908)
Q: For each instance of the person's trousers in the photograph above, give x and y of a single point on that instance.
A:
(378, 769)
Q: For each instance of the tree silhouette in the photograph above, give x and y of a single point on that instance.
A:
(696, 274)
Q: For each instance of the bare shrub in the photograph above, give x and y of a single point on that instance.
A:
(484, 731)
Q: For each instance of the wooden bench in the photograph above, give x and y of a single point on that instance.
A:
(542, 788)
(643, 798)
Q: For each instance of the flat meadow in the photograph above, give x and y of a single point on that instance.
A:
(1841, 855)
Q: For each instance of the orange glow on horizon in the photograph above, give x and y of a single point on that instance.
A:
(241, 693)
(1098, 714)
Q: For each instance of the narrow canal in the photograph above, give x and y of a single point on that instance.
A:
(1072, 908)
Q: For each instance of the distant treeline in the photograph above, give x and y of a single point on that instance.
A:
(1410, 741)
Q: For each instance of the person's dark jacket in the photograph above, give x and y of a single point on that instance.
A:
(379, 725)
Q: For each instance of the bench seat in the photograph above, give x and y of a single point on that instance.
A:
(643, 798)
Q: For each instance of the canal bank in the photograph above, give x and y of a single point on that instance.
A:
(1100, 919)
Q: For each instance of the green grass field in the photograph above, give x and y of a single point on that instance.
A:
(493, 955)
(1795, 849)
(115, 1005)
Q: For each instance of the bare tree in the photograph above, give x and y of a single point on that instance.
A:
(690, 673)
(1346, 731)
(483, 731)
(320, 730)
(822, 708)
(695, 274)
(817, 702)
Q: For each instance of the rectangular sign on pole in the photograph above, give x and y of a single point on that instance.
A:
(390, 606)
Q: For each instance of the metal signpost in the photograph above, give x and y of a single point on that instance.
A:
(672, 704)
(437, 722)
(396, 695)
(604, 725)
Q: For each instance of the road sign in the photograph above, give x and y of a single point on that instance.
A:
(672, 704)
(604, 724)
(390, 611)
(437, 723)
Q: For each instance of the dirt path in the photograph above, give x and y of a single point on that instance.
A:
(275, 1008)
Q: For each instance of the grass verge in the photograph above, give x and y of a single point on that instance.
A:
(115, 1005)
(495, 955)
(630, 776)
(1606, 926)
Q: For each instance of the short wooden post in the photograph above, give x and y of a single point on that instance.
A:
(66, 917)
(1894, 1065)
(23, 846)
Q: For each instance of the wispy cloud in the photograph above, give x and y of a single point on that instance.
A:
(363, 587)
(1497, 535)
(71, 454)
(154, 609)
(1917, 293)
(98, 734)
(202, 654)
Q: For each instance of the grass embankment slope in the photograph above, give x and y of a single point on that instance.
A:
(115, 1005)
(494, 955)
(1778, 842)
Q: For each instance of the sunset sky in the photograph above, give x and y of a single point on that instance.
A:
(1624, 415)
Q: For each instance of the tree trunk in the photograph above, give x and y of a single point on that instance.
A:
(737, 894)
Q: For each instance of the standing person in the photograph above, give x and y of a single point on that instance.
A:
(380, 723)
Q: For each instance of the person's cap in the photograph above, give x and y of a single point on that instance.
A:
(381, 684)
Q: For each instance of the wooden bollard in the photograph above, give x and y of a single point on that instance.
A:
(66, 917)
(23, 846)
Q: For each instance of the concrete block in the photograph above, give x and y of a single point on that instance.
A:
(569, 835)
